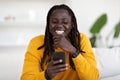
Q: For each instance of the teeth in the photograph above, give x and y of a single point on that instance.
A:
(59, 32)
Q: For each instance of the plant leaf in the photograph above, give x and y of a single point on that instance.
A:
(93, 41)
(99, 23)
(117, 30)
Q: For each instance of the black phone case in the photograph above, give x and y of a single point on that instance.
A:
(59, 55)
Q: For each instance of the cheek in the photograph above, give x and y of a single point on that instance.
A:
(51, 28)
(69, 26)
(68, 29)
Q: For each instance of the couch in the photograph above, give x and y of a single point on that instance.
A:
(11, 58)
(108, 62)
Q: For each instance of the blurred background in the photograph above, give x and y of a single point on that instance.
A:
(21, 20)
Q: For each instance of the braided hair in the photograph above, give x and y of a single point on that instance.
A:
(74, 35)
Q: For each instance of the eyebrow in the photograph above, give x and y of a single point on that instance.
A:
(62, 18)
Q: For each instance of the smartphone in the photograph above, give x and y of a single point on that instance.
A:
(58, 56)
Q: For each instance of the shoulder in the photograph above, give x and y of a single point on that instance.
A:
(37, 40)
(83, 35)
(32, 48)
(85, 42)
(84, 38)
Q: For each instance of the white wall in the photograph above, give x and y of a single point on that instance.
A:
(87, 11)
(29, 20)
(30, 17)
(11, 62)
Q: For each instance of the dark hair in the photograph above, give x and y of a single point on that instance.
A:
(74, 35)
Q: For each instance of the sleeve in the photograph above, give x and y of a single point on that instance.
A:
(31, 67)
(85, 63)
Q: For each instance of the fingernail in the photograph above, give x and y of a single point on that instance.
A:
(60, 60)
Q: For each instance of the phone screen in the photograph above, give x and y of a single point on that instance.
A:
(59, 55)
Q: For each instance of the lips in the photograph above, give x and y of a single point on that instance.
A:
(59, 31)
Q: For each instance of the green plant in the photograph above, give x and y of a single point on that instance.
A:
(115, 33)
(117, 30)
(96, 28)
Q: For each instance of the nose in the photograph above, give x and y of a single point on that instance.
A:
(59, 24)
(59, 27)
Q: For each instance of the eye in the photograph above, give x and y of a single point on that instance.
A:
(65, 22)
(54, 21)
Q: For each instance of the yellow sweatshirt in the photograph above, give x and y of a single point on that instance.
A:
(85, 63)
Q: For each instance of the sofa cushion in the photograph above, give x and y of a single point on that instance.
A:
(108, 61)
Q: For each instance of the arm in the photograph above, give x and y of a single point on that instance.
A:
(85, 63)
(31, 67)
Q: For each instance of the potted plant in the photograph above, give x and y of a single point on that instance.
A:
(96, 28)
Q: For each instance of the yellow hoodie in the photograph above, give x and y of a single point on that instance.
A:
(85, 63)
